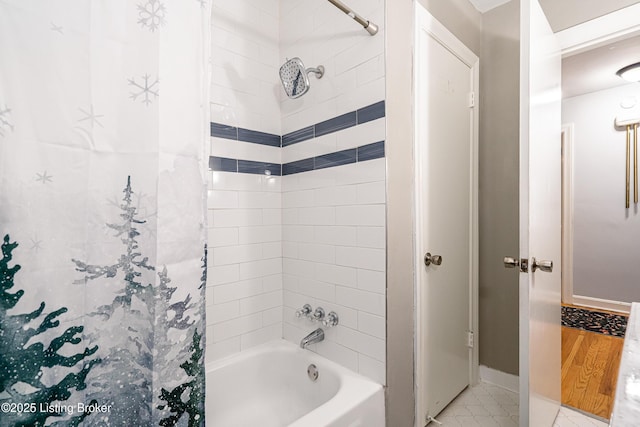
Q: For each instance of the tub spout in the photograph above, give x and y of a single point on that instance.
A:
(313, 337)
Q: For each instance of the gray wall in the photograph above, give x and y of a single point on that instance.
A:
(498, 200)
(563, 14)
(460, 17)
(494, 36)
(466, 23)
(606, 258)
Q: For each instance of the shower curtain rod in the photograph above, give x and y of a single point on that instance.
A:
(368, 25)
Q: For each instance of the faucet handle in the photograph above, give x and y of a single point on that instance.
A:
(318, 315)
(305, 311)
(331, 320)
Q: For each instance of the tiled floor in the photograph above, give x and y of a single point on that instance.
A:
(490, 405)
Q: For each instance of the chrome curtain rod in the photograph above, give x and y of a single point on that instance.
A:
(368, 25)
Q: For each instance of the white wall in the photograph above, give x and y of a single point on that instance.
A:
(245, 64)
(606, 235)
(330, 222)
(334, 257)
(334, 218)
(320, 34)
(244, 288)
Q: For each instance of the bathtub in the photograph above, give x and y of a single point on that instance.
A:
(268, 386)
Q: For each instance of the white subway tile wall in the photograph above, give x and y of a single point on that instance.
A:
(244, 287)
(334, 257)
(320, 34)
(245, 59)
(317, 237)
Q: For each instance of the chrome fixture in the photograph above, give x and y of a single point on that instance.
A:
(542, 265)
(305, 311)
(510, 262)
(368, 25)
(312, 372)
(312, 338)
(432, 259)
(318, 315)
(330, 320)
(630, 72)
(293, 76)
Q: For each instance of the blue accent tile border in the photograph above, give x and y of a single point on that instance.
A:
(338, 158)
(371, 151)
(371, 112)
(224, 131)
(223, 164)
(335, 124)
(330, 160)
(298, 166)
(245, 135)
(299, 135)
(259, 168)
(256, 137)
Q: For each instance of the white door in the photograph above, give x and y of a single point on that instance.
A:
(445, 76)
(540, 218)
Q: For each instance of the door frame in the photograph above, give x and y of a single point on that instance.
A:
(567, 213)
(424, 21)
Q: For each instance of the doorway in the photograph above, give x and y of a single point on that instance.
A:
(596, 221)
(604, 238)
(446, 79)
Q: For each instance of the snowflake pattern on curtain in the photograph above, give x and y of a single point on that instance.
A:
(102, 304)
(151, 14)
(145, 89)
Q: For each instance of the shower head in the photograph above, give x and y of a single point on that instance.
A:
(294, 77)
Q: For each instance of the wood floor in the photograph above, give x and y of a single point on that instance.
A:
(590, 364)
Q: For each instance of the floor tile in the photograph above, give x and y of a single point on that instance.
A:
(487, 405)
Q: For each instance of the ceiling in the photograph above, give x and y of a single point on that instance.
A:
(563, 14)
(485, 5)
(595, 69)
(592, 70)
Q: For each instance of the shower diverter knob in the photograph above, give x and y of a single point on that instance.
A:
(318, 315)
(331, 319)
(304, 311)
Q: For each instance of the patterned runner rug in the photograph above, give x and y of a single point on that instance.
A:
(594, 321)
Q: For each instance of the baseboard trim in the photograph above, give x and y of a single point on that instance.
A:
(502, 379)
(602, 304)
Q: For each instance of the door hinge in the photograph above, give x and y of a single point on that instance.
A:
(470, 339)
(429, 419)
(472, 99)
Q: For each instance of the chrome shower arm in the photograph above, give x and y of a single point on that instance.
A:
(368, 25)
(318, 71)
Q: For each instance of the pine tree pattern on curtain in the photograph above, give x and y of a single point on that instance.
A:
(103, 126)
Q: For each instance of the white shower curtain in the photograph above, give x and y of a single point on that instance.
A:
(103, 125)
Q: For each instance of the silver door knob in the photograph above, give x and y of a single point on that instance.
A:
(432, 259)
(542, 264)
(511, 262)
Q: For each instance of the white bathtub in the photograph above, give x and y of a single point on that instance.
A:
(268, 386)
